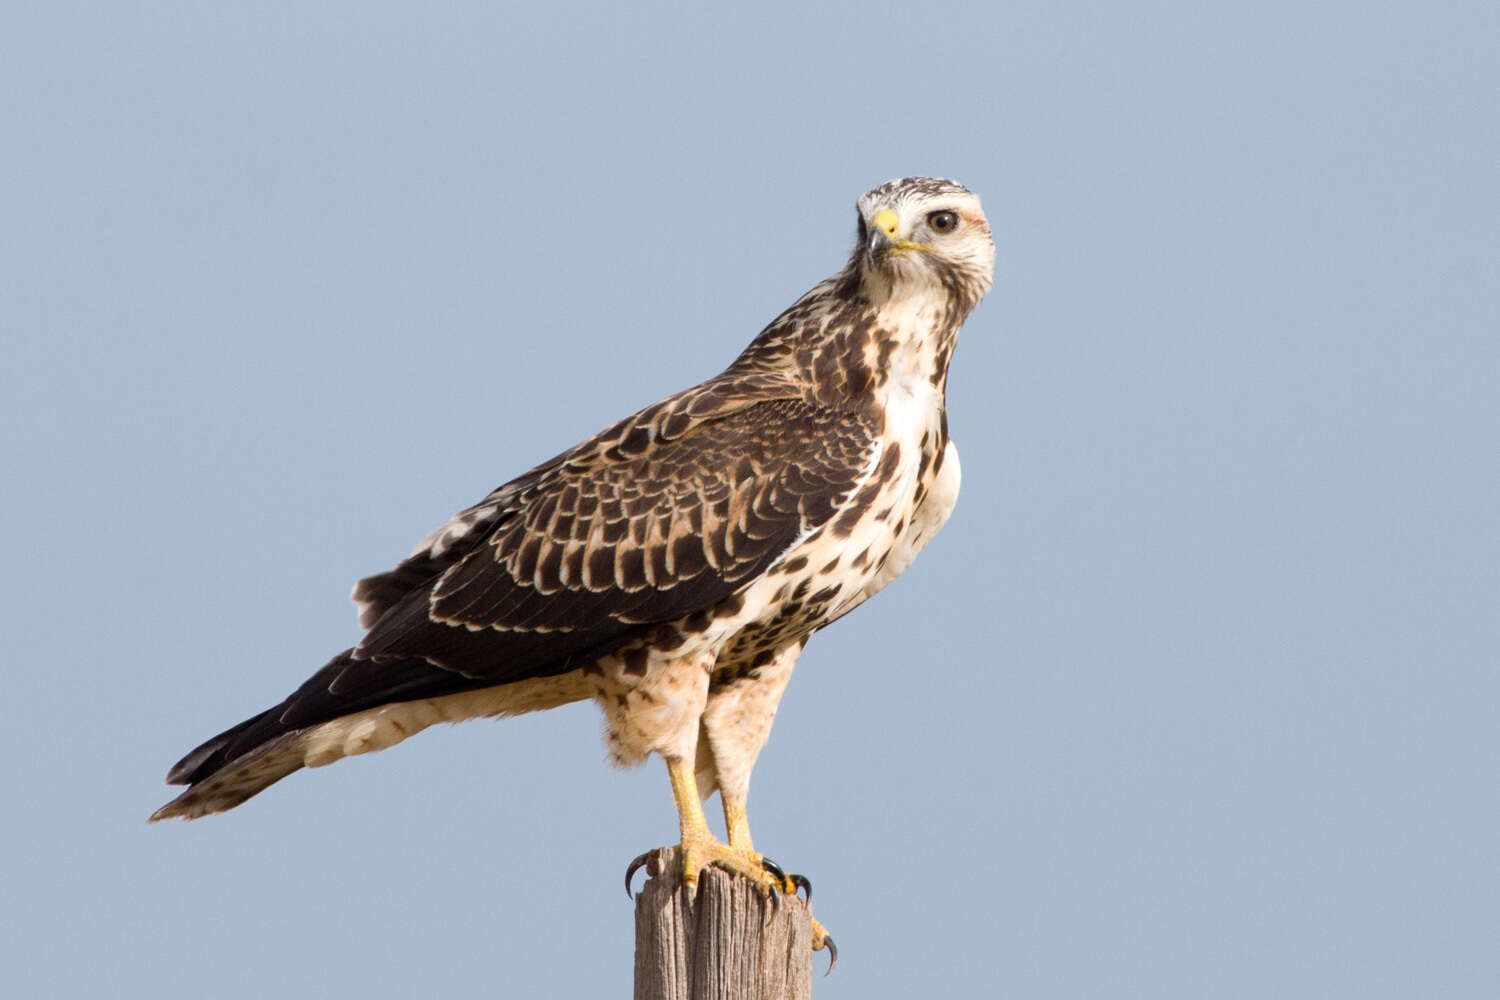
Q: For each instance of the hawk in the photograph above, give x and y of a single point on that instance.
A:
(672, 567)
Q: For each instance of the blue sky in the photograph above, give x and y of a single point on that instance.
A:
(1194, 696)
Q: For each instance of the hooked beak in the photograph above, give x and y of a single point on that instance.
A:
(883, 226)
(882, 241)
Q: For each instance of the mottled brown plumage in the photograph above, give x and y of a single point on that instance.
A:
(673, 566)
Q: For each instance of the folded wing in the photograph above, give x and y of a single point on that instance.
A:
(655, 520)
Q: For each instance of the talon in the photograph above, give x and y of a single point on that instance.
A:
(635, 866)
(822, 939)
(800, 882)
(774, 869)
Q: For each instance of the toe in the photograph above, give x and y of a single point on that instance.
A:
(821, 940)
(799, 882)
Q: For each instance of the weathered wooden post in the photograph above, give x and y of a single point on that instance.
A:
(728, 944)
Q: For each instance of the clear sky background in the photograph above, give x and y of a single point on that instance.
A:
(1195, 696)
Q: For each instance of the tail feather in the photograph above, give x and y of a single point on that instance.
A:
(230, 785)
(250, 757)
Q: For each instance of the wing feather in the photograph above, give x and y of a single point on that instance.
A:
(654, 520)
(698, 515)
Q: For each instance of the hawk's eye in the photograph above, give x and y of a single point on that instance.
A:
(943, 222)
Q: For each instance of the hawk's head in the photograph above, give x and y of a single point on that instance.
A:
(920, 236)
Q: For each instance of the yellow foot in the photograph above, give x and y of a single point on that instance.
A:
(821, 940)
(698, 852)
(790, 884)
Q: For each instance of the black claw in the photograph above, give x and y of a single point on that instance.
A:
(833, 954)
(773, 868)
(635, 866)
(801, 882)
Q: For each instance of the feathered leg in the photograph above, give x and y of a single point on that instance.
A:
(736, 723)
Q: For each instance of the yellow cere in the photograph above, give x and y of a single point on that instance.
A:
(888, 222)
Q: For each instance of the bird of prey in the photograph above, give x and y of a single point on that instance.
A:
(671, 567)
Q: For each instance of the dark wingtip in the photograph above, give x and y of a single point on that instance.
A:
(182, 772)
(201, 761)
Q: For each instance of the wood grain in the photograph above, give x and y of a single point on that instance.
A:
(727, 944)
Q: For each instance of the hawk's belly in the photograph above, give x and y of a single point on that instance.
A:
(653, 694)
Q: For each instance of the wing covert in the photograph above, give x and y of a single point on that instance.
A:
(651, 530)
